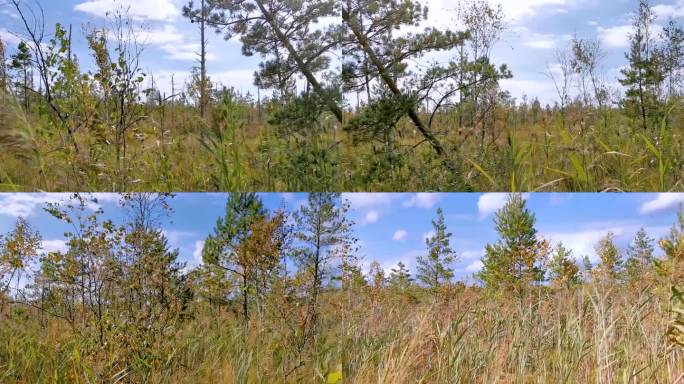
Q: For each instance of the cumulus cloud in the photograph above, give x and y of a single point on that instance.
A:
(27, 204)
(516, 11)
(618, 36)
(175, 237)
(489, 203)
(158, 10)
(475, 266)
(197, 252)
(583, 241)
(54, 246)
(615, 37)
(9, 37)
(422, 200)
(662, 202)
(543, 41)
(168, 34)
(408, 259)
(371, 217)
(367, 200)
(666, 11)
(399, 235)
(185, 52)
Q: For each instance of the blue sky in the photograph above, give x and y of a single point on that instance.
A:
(535, 29)
(392, 227)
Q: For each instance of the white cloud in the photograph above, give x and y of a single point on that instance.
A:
(475, 266)
(541, 42)
(663, 201)
(185, 52)
(9, 12)
(618, 36)
(159, 10)
(422, 200)
(542, 89)
(399, 235)
(615, 37)
(666, 11)
(175, 237)
(241, 80)
(516, 11)
(165, 35)
(408, 259)
(9, 37)
(583, 241)
(428, 235)
(489, 203)
(197, 252)
(27, 204)
(367, 200)
(371, 217)
(54, 246)
(472, 254)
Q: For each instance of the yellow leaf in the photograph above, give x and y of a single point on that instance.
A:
(334, 377)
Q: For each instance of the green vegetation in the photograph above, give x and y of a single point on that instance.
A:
(280, 300)
(431, 127)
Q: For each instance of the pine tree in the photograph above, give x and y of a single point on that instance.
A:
(373, 54)
(611, 265)
(400, 278)
(672, 56)
(325, 235)
(516, 259)
(222, 248)
(563, 269)
(639, 256)
(286, 33)
(643, 77)
(21, 63)
(434, 269)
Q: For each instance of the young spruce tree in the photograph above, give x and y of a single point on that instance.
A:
(434, 269)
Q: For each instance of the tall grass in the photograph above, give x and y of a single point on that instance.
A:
(592, 334)
(236, 149)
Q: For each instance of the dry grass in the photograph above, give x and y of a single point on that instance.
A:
(594, 334)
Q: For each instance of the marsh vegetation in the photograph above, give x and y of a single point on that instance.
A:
(341, 105)
(281, 297)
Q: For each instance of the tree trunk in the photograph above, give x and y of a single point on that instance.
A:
(392, 85)
(303, 67)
